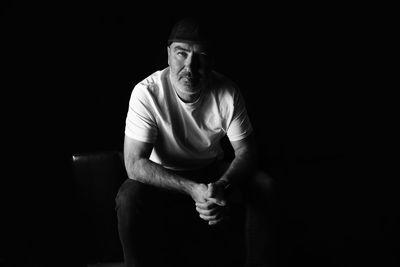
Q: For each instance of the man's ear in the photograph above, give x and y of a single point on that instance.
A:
(212, 62)
(168, 52)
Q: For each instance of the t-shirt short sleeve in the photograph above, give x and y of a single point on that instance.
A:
(140, 123)
(240, 126)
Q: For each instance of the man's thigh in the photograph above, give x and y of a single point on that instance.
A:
(171, 222)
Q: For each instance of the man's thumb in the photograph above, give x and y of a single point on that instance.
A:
(211, 190)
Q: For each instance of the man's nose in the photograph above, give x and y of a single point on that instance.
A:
(191, 63)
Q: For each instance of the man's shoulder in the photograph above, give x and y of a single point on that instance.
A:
(152, 82)
(223, 85)
(152, 86)
(222, 80)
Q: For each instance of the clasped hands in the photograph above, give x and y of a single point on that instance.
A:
(211, 202)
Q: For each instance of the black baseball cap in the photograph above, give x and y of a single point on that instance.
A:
(190, 30)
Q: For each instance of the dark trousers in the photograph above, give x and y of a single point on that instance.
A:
(162, 228)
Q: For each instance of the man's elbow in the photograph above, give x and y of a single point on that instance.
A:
(134, 168)
(248, 159)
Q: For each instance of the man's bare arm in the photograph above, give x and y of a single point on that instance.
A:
(241, 168)
(244, 163)
(140, 168)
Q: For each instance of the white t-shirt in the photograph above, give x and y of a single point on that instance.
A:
(186, 136)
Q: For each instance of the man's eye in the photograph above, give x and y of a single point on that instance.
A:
(182, 54)
(203, 56)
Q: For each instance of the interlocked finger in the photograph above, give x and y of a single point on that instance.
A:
(215, 217)
(207, 209)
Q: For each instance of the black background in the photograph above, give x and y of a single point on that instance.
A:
(68, 71)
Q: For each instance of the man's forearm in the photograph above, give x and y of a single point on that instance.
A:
(241, 168)
(148, 172)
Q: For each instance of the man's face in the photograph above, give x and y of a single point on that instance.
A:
(189, 66)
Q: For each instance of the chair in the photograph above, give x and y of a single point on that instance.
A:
(97, 176)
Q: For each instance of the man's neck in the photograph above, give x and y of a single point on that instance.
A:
(184, 96)
(188, 98)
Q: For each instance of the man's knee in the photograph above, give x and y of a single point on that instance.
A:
(260, 191)
(130, 194)
(259, 186)
(262, 183)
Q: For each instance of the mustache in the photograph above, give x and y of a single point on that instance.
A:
(187, 74)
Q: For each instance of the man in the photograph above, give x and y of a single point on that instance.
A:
(178, 205)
